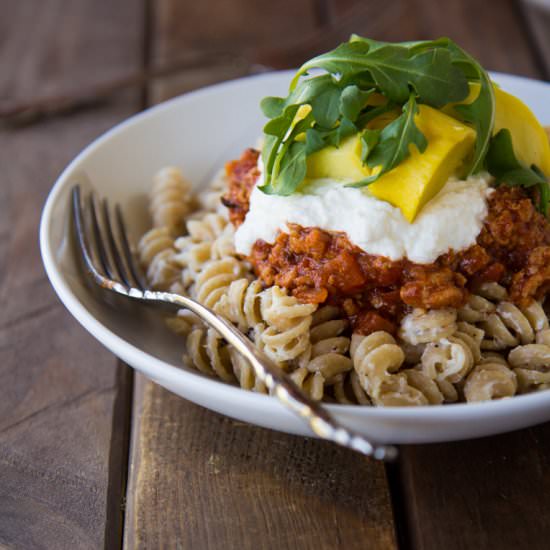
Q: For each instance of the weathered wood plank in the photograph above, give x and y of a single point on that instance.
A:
(537, 20)
(484, 494)
(239, 28)
(63, 411)
(200, 480)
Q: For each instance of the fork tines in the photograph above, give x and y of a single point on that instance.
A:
(104, 245)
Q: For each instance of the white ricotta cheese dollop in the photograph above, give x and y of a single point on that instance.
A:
(451, 220)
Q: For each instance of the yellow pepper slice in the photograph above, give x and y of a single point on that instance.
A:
(417, 179)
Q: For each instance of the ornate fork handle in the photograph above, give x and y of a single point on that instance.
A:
(111, 265)
(321, 422)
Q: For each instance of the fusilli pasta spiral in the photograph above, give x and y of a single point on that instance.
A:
(157, 256)
(171, 199)
(214, 279)
(421, 326)
(285, 334)
(328, 346)
(490, 379)
(376, 359)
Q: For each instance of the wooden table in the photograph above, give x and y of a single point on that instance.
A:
(92, 456)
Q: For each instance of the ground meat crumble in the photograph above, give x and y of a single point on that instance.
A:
(317, 266)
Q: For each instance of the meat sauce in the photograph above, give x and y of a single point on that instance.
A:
(316, 266)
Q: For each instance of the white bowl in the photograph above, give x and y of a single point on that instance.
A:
(199, 132)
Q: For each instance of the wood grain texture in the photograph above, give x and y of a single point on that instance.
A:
(491, 30)
(200, 480)
(64, 400)
(239, 28)
(537, 19)
(485, 494)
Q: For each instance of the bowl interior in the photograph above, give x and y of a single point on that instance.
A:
(198, 132)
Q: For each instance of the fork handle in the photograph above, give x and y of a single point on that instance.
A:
(321, 422)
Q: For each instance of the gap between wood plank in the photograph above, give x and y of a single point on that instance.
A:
(119, 457)
(541, 57)
(129, 406)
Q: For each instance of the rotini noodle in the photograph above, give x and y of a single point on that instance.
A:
(420, 326)
(491, 379)
(312, 384)
(376, 358)
(328, 346)
(214, 279)
(171, 199)
(510, 325)
(449, 360)
(157, 256)
(241, 303)
(348, 390)
(285, 335)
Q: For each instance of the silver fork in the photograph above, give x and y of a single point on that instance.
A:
(110, 263)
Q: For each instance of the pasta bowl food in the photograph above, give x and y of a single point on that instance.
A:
(199, 133)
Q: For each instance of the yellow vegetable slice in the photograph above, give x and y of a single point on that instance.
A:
(529, 138)
(343, 162)
(417, 179)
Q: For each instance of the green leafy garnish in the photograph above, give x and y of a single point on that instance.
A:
(435, 73)
(481, 112)
(394, 69)
(503, 164)
(394, 143)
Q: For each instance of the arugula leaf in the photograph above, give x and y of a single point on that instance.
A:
(369, 139)
(321, 92)
(503, 164)
(292, 169)
(431, 73)
(394, 143)
(314, 141)
(288, 163)
(335, 136)
(353, 100)
(276, 129)
(481, 112)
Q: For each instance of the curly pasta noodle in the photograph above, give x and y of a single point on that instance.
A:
(477, 309)
(241, 303)
(208, 239)
(213, 281)
(510, 325)
(531, 363)
(210, 199)
(171, 199)
(348, 390)
(376, 359)
(157, 256)
(426, 385)
(328, 347)
(208, 352)
(311, 383)
(491, 379)
(285, 334)
(183, 323)
(449, 360)
(421, 326)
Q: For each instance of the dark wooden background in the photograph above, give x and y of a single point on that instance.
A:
(91, 456)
